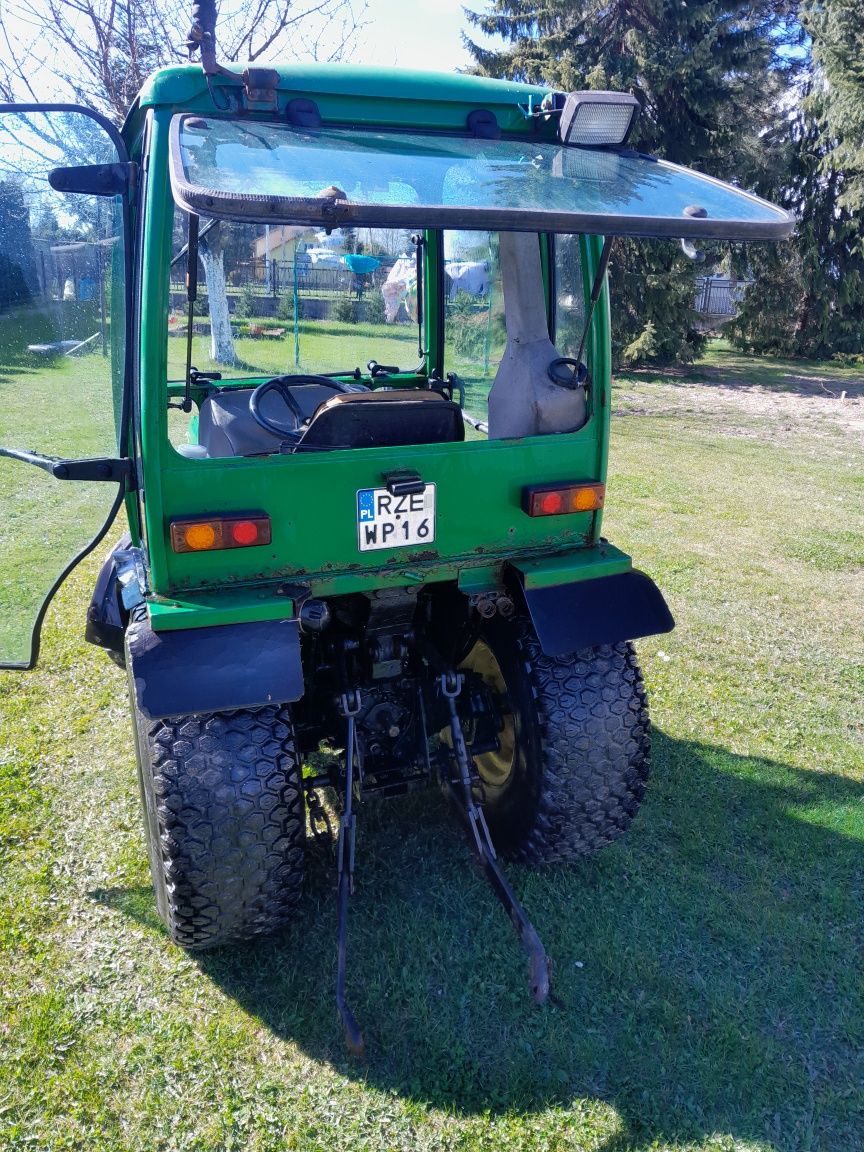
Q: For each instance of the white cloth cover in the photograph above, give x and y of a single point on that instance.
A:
(400, 288)
(523, 401)
(471, 276)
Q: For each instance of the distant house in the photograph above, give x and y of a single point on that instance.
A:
(279, 243)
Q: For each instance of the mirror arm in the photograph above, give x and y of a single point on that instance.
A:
(94, 468)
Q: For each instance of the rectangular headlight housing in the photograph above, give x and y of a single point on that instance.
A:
(597, 117)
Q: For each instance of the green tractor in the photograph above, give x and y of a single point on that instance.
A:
(336, 342)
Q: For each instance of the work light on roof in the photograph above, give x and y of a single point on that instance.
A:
(592, 118)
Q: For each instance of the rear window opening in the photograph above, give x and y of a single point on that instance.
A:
(289, 301)
(281, 300)
(314, 273)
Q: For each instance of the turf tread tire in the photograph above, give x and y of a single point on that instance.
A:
(586, 734)
(225, 822)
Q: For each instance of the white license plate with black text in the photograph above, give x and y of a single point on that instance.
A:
(388, 521)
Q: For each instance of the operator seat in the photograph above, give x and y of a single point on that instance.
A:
(226, 427)
(388, 418)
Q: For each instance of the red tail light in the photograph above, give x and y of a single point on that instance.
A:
(212, 533)
(559, 499)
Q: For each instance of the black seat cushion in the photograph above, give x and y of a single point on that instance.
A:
(226, 427)
(384, 419)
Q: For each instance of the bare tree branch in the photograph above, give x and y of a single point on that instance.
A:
(99, 52)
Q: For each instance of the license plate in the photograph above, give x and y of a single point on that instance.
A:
(387, 521)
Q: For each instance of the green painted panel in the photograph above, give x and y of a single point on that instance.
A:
(227, 606)
(311, 500)
(586, 564)
(358, 94)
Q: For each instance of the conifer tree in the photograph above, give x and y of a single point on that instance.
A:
(837, 29)
(808, 295)
(708, 75)
(16, 246)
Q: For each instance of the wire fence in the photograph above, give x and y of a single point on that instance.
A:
(275, 278)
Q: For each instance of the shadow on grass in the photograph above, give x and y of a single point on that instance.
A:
(707, 968)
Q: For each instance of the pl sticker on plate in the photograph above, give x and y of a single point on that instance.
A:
(388, 521)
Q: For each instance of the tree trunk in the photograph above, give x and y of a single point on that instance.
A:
(221, 337)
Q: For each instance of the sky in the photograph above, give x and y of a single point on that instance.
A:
(419, 34)
(424, 34)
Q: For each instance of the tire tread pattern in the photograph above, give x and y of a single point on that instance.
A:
(595, 747)
(226, 822)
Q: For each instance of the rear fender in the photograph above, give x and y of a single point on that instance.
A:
(217, 669)
(605, 610)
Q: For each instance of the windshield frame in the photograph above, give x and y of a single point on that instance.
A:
(334, 211)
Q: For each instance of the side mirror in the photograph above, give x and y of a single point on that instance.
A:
(94, 179)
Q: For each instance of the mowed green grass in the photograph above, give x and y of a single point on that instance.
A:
(59, 406)
(320, 345)
(707, 968)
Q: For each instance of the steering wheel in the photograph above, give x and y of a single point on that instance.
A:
(283, 385)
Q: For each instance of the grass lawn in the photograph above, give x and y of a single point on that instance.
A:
(60, 406)
(320, 345)
(707, 968)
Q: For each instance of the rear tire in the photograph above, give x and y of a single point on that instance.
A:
(225, 822)
(577, 736)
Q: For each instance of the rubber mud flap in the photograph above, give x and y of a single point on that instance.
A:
(213, 669)
(107, 619)
(606, 610)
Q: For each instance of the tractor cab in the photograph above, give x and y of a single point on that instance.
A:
(283, 289)
(337, 344)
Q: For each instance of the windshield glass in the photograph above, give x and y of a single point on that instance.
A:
(257, 171)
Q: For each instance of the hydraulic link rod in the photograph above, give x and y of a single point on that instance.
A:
(450, 684)
(349, 706)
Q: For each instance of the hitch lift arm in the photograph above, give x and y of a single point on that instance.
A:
(460, 793)
(461, 796)
(349, 706)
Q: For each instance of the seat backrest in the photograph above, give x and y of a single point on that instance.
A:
(388, 418)
(226, 427)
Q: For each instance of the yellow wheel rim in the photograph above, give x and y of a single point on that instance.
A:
(495, 768)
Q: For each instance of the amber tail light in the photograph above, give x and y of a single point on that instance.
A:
(209, 534)
(559, 499)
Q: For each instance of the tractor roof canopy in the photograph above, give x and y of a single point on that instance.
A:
(267, 173)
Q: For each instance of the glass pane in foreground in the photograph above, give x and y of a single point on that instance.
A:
(267, 171)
